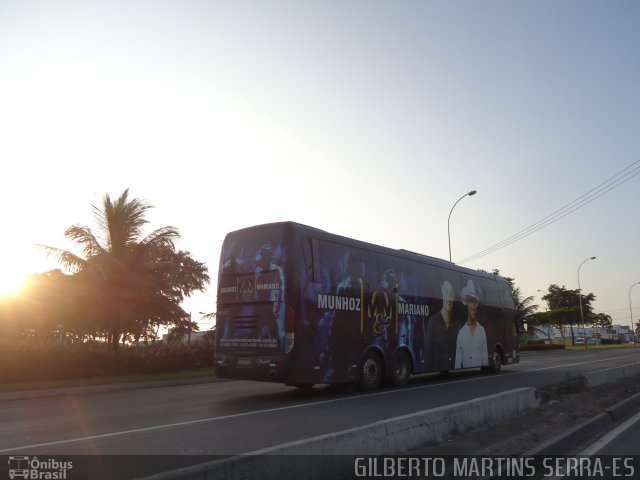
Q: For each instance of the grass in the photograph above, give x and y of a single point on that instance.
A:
(87, 382)
(591, 346)
(577, 348)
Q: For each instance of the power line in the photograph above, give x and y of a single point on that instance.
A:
(613, 182)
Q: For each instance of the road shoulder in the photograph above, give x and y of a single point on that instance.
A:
(564, 408)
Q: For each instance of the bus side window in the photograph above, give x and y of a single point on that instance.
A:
(490, 291)
(329, 261)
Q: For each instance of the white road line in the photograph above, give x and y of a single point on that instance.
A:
(278, 409)
(612, 435)
(603, 442)
(577, 363)
(613, 368)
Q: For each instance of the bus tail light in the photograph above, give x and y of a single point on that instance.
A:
(289, 329)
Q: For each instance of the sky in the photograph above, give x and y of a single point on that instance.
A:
(367, 119)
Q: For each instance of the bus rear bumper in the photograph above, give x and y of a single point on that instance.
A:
(250, 367)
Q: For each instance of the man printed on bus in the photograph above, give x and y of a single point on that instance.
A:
(438, 348)
(341, 328)
(471, 345)
(407, 322)
(267, 260)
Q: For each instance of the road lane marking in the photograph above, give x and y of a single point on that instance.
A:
(613, 368)
(602, 442)
(579, 363)
(279, 409)
(611, 436)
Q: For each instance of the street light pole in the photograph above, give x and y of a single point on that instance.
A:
(470, 194)
(580, 301)
(632, 331)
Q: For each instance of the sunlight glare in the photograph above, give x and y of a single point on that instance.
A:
(11, 282)
(13, 271)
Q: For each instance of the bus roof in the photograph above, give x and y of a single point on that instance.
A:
(402, 253)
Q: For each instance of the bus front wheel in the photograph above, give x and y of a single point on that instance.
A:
(400, 369)
(370, 372)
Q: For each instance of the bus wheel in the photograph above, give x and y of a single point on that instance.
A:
(370, 372)
(400, 368)
(495, 362)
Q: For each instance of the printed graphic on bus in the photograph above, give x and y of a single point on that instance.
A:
(252, 281)
(328, 305)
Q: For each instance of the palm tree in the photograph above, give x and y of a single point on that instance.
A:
(121, 271)
(524, 306)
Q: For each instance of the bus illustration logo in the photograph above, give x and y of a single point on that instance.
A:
(32, 468)
(246, 288)
(381, 310)
(18, 467)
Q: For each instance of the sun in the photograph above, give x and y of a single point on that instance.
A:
(13, 275)
(11, 282)
(17, 264)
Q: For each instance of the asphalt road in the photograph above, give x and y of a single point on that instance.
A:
(225, 418)
(621, 441)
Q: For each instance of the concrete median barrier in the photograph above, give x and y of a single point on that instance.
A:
(611, 375)
(327, 456)
(393, 436)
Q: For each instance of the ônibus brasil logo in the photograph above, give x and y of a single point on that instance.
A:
(32, 468)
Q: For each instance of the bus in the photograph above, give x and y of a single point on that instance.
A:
(301, 306)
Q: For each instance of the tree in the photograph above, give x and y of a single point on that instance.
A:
(129, 281)
(564, 308)
(558, 318)
(525, 308)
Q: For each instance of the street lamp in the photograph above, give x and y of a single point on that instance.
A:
(470, 194)
(580, 300)
(632, 331)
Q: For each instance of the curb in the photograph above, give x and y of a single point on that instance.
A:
(611, 375)
(624, 408)
(567, 442)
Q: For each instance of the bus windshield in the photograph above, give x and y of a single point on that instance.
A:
(251, 290)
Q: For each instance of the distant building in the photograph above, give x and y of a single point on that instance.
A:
(590, 334)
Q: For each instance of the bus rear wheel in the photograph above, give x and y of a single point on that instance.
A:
(400, 368)
(370, 372)
(495, 361)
